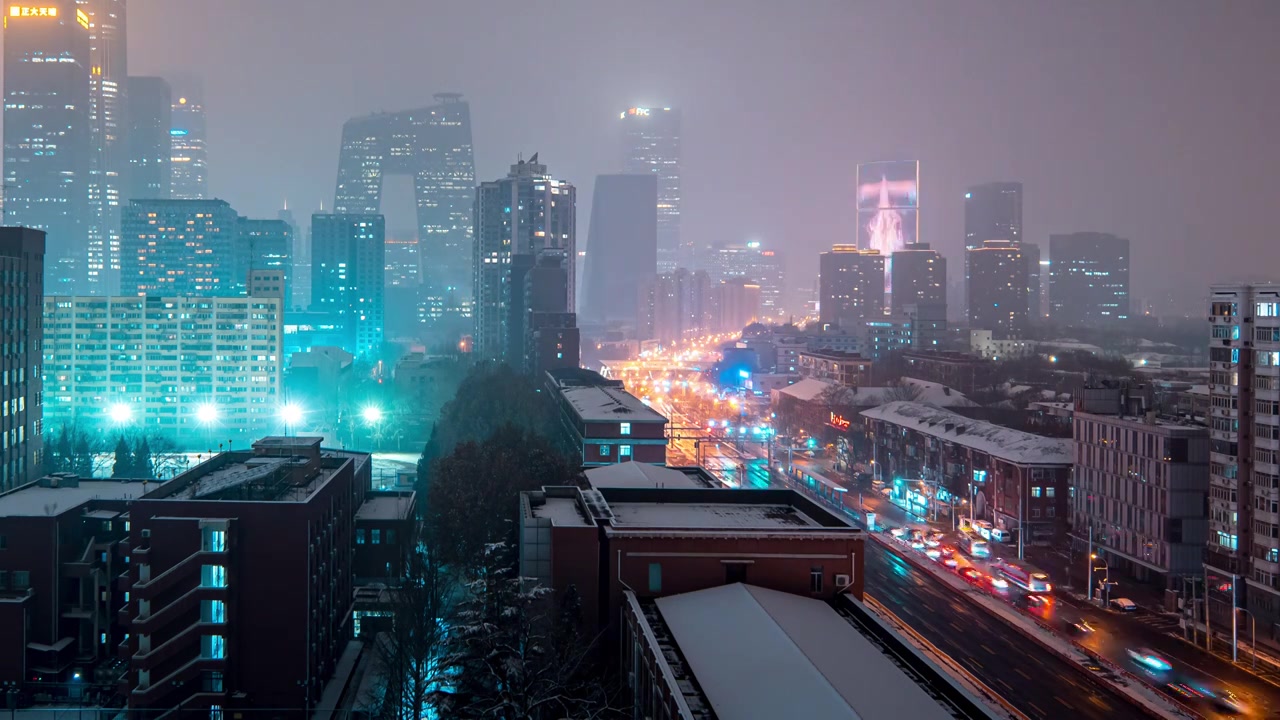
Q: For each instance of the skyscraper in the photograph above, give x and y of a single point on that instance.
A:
(150, 147)
(919, 280)
(993, 211)
(1088, 279)
(22, 423)
(48, 137)
(526, 213)
(678, 306)
(188, 155)
(433, 145)
(263, 245)
(765, 267)
(651, 145)
(347, 265)
(1031, 252)
(179, 248)
(622, 246)
(108, 75)
(851, 286)
(997, 288)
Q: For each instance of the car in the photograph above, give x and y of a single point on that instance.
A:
(1079, 627)
(947, 550)
(950, 561)
(1034, 600)
(1123, 604)
(898, 532)
(931, 542)
(917, 545)
(1149, 660)
(971, 574)
(886, 491)
(932, 553)
(999, 583)
(937, 536)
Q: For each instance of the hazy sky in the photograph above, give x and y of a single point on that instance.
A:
(1152, 119)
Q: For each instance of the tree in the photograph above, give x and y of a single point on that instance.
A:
(142, 466)
(900, 390)
(82, 457)
(123, 467)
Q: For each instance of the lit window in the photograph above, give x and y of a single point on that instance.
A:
(1035, 491)
(214, 540)
(213, 576)
(604, 450)
(213, 647)
(624, 451)
(359, 536)
(375, 536)
(1048, 492)
(213, 611)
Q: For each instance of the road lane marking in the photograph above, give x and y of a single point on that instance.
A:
(1023, 674)
(1065, 704)
(1037, 709)
(989, 650)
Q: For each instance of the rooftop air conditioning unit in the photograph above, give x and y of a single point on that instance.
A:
(842, 581)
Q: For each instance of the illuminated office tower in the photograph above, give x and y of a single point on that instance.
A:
(179, 248)
(651, 145)
(518, 219)
(150, 145)
(753, 262)
(1088, 279)
(997, 288)
(433, 146)
(851, 286)
(108, 82)
(188, 155)
(21, 394)
(348, 254)
(263, 245)
(48, 136)
(622, 246)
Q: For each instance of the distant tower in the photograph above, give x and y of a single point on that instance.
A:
(997, 288)
(189, 157)
(108, 84)
(150, 144)
(1088, 279)
(851, 286)
(347, 261)
(651, 145)
(622, 246)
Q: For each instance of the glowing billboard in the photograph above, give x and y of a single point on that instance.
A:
(24, 11)
(888, 205)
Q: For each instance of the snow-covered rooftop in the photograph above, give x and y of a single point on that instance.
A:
(760, 653)
(632, 474)
(385, 508)
(932, 393)
(1013, 445)
(32, 500)
(561, 511)
(808, 389)
(607, 404)
(641, 515)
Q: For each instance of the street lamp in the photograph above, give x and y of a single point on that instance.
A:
(207, 413)
(1106, 578)
(372, 414)
(120, 413)
(291, 415)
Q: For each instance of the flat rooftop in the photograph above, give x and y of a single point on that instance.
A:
(607, 404)
(386, 508)
(644, 515)
(1016, 446)
(632, 474)
(33, 501)
(561, 511)
(758, 653)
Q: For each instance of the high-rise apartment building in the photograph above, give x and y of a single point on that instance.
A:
(1035, 287)
(526, 213)
(21, 394)
(542, 324)
(997, 288)
(753, 262)
(1088, 279)
(347, 282)
(992, 211)
(300, 259)
(919, 280)
(738, 301)
(195, 370)
(150, 145)
(48, 136)
(432, 145)
(263, 245)
(109, 164)
(1244, 451)
(851, 286)
(651, 145)
(188, 155)
(622, 246)
(678, 306)
(179, 248)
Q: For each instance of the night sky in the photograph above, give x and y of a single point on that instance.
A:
(1152, 119)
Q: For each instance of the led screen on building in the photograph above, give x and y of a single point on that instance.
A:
(888, 205)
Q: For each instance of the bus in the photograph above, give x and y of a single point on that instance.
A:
(973, 545)
(1024, 575)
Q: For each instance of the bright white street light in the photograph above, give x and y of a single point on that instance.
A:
(120, 413)
(291, 414)
(372, 414)
(207, 413)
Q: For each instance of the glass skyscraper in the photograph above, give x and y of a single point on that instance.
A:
(1088, 279)
(651, 145)
(348, 257)
(622, 250)
(48, 136)
(108, 166)
(150, 146)
(188, 157)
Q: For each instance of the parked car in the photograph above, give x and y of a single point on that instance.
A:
(1123, 604)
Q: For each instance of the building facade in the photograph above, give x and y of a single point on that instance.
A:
(611, 425)
(347, 276)
(188, 152)
(997, 288)
(847, 369)
(197, 370)
(764, 267)
(622, 247)
(851, 286)
(677, 307)
(48, 134)
(651, 146)
(1141, 488)
(150, 103)
(992, 211)
(178, 248)
(22, 392)
(528, 213)
(263, 245)
(109, 164)
(1088, 279)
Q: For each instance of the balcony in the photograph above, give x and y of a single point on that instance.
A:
(156, 692)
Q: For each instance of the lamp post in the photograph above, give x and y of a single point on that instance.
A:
(1106, 578)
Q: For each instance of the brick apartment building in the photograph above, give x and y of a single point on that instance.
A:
(609, 424)
(961, 371)
(843, 368)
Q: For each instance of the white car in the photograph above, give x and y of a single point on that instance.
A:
(1124, 604)
(933, 554)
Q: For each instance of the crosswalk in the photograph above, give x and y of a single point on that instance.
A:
(1157, 621)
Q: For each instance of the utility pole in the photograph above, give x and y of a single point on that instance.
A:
(1234, 615)
(1088, 558)
(1021, 524)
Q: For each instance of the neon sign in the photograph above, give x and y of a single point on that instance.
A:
(643, 112)
(839, 422)
(82, 19)
(23, 11)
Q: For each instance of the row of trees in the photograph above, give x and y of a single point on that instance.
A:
(133, 455)
(471, 638)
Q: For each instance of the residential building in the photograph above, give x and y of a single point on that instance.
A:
(1141, 488)
(985, 345)
(546, 332)
(739, 302)
(22, 392)
(179, 248)
(47, 106)
(1088, 279)
(851, 286)
(678, 307)
(150, 103)
(347, 265)
(196, 370)
(893, 333)
(919, 281)
(622, 247)
(433, 146)
(526, 213)
(189, 155)
(1012, 478)
(847, 369)
(610, 425)
(262, 245)
(385, 524)
(651, 146)
(764, 267)
(997, 288)
(962, 371)
(1244, 444)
